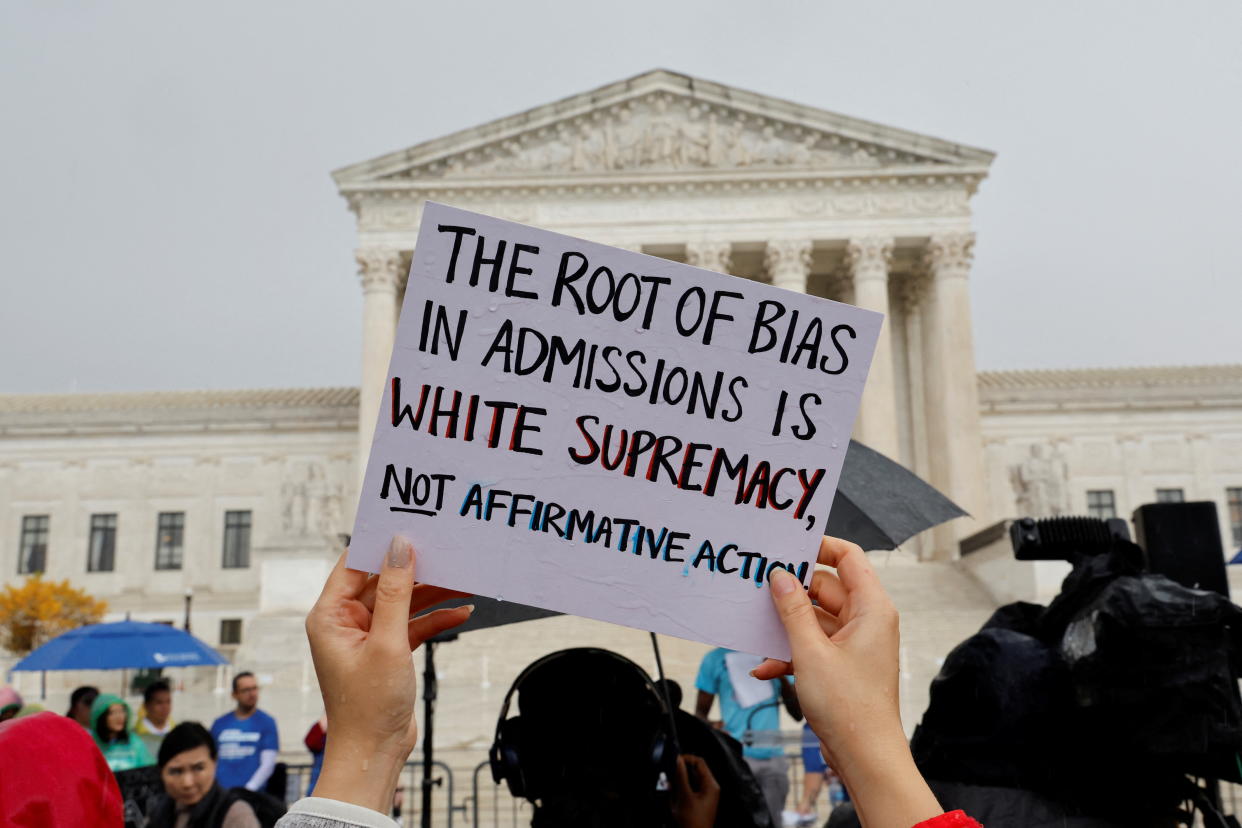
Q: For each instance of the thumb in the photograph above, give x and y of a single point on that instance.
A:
(393, 591)
(706, 778)
(683, 777)
(793, 606)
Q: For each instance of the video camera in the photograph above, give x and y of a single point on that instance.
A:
(1110, 699)
(1179, 540)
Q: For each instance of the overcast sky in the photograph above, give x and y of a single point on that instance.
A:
(167, 219)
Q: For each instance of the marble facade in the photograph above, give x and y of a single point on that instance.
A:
(283, 457)
(1137, 434)
(745, 184)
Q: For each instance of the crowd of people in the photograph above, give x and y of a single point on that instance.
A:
(209, 777)
(617, 752)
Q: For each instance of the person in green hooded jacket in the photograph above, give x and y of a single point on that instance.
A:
(110, 721)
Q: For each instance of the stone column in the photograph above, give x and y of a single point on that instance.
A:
(1200, 469)
(1131, 492)
(788, 262)
(710, 255)
(867, 260)
(912, 290)
(951, 393)
(380, 272)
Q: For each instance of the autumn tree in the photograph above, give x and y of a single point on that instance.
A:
(39, 610)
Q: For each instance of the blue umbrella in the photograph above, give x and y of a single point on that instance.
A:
(119, 645)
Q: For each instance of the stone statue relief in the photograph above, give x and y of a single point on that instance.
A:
(293, 506)
(310, 505)
(659, 132)
(1041, 483)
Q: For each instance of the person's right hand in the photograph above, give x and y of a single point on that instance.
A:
(845, 659)
(362, 632)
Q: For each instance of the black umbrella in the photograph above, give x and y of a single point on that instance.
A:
(879, 504)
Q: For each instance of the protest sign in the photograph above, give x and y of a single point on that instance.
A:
(591, 430)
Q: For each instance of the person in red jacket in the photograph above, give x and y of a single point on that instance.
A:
(316, 740)
(844, 657)
(53, 776)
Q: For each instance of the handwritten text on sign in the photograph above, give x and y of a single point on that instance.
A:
(608, 434)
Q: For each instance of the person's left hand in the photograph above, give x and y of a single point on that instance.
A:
(361, 636)
(695, 807)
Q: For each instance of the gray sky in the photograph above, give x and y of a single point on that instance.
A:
(167, 219)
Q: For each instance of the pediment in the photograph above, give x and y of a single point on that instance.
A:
(663, 123)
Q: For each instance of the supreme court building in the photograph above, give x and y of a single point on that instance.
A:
(237, 501)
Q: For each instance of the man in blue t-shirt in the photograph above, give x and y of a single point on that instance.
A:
(748, 704)
(246, 739)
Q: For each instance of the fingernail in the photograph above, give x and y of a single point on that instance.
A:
(400, 552)
(752, 674)
(469, 609)
(782, 581)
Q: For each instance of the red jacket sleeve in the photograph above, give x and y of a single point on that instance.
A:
(953, 819)
(315, 738)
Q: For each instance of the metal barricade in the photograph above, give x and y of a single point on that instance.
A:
(495, 801)
(410, 789)
(297, 778)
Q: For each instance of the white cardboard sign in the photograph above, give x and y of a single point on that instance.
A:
(608, 434)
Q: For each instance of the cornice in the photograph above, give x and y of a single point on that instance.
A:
(661, 181)
(174, 413)
(132, 400)
(1130, 377)
(1093, 390)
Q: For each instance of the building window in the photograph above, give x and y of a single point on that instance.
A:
(1170, 495)
(33, 554)
(168, 540)
(1233, 496)
(1101, 504)
(101, 553)
(236, 540)
(230, 631)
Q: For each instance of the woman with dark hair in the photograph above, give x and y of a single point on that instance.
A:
(191, 797)
(110, 727)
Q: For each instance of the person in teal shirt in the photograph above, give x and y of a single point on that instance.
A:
(750, 705)
(110, 725)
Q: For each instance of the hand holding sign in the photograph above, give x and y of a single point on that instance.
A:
(595, 431)
(845, 651)
(361, 636)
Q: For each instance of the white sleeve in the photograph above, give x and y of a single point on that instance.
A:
(314, 812)
(267, 764)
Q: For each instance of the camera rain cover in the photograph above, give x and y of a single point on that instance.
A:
(1155, 663)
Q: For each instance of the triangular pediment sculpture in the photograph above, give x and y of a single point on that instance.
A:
(665, 123)
(659, 132)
